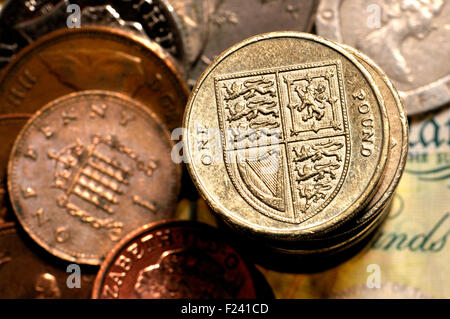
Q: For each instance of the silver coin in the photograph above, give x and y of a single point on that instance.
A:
(107, 16)
(409, 40)
(24, 21)
(193, 17)
(231, 21)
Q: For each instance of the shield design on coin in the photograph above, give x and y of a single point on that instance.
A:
(285, 137)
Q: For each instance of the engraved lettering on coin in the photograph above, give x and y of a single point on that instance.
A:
(174, 260)
(367, 131)
(28, 192)
(62, 234)
(69, 116)
(47, 131)
(203, 144)
(24, 83)
(41, 217)
(125, 118)
(291, 136)
(98, 110)
(31, 153)
(98, 179)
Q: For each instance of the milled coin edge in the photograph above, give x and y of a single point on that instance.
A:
(288, 235)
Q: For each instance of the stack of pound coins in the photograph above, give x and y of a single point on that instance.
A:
(296, 142)
(86, 168)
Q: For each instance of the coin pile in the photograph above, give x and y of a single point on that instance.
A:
(86, 170)
(297, 142)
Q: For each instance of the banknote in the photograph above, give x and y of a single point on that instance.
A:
(408, 257)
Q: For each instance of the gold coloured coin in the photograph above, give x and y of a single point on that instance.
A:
(376, 210)
(87, 169)
(399, 137)
(286, 136)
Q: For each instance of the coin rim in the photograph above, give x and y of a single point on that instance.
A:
(289, 234)
(164, 224)
(370, 214)
(384, 200)
(378, 212)
(153, 48)
(30, 230)
(5, 117)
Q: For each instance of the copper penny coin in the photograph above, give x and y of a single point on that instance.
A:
(174, 259)
(26, 271)
(89, 168)
(94, 58)
(10, 126)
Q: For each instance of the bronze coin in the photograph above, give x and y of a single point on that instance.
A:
(10, 126)
(26, 271)
(174, 259)
(89, 168)
(94, 58)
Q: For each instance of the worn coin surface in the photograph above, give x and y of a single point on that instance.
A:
(399, 137)
(193, 16)
(23, 22)
(298, 136)
(376, 210)
(10, 126)
(89, 168)
(92, 58)
(28, 272)
(174, 259)
(409, 40)
(231, 21)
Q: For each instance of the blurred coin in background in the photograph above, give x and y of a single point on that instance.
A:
(409, 40)
(23, 22)
(29, 272)
(231, 21)
(91, 58)
(193, 17)
(174, 259)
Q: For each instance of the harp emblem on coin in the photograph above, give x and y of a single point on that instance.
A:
(285, 137)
